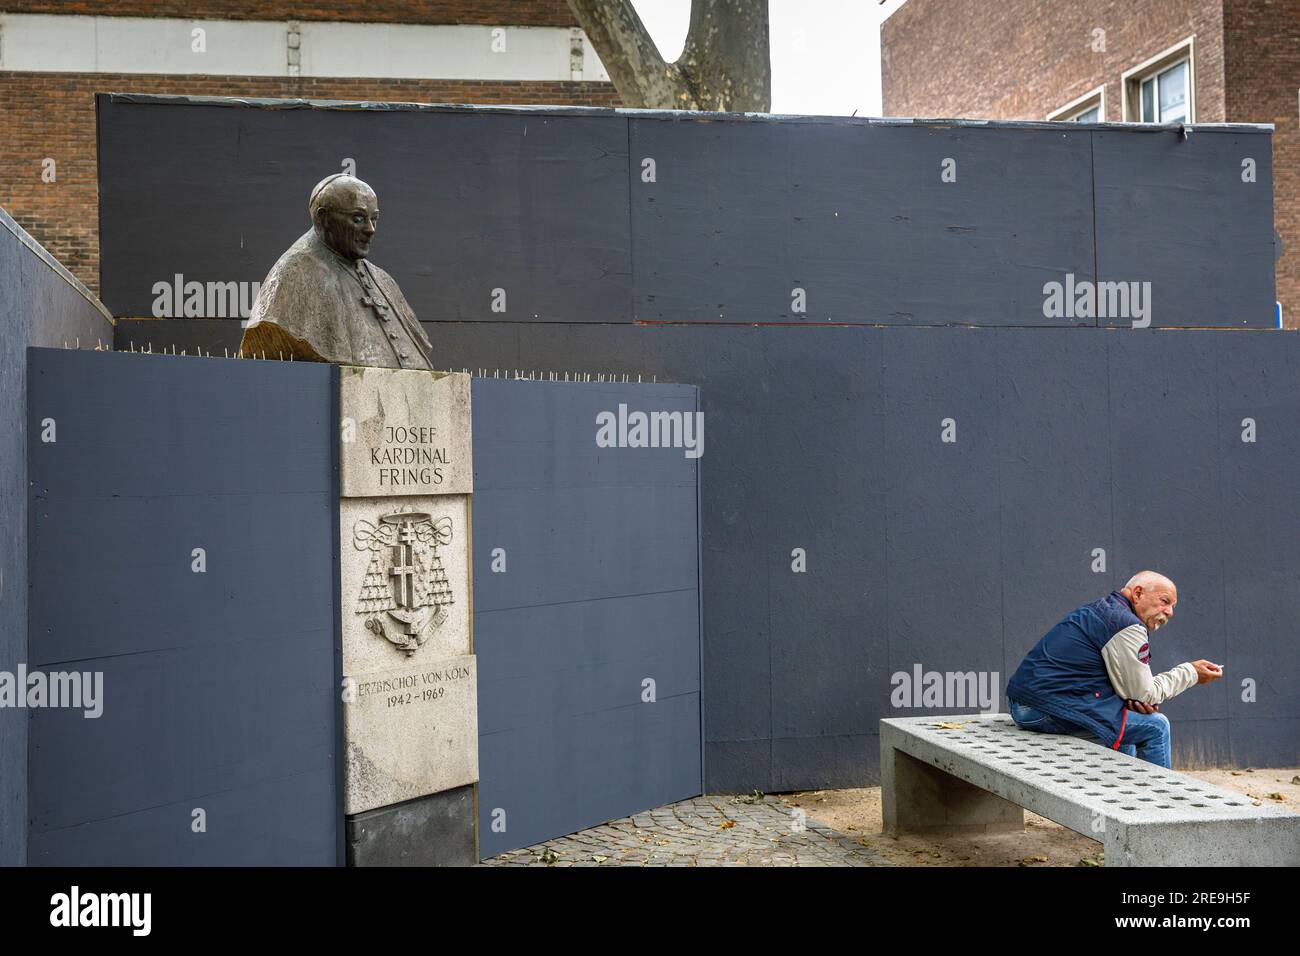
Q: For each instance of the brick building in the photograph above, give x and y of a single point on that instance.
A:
(56, 54)
(1201, 61)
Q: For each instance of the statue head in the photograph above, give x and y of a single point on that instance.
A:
(345, 214)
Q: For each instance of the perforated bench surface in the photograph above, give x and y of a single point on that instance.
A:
(1135, 807)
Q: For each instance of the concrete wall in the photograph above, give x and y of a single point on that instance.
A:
(40, 304)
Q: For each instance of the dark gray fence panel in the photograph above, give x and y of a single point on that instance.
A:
(1056, 465)
(599, 592)
(1053, 451)
(220, 688)
(1168, 512)
(40, 304)
(551, 206)
(859, 217)
(1176, 213)
(1260, 549)
(458, 219)
(943, 580)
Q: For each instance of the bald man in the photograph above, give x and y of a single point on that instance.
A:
(323, 301)
(1090, 675)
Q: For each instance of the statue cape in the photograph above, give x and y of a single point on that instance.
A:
(310, 307)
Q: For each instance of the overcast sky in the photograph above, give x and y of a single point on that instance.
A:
(825, 53)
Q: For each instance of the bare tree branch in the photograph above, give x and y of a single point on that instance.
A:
(725, 64)
(629, 55)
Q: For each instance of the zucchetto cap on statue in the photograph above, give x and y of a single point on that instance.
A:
(321, 190)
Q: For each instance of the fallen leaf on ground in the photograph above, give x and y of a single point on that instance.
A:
(1276, 796)
(1088, 861)
(726, 824)
(1235, 773)
(599, 859)
(1035, 859)
(950, 725)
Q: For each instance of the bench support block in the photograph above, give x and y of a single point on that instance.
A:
(919, 798)
(1261, 842)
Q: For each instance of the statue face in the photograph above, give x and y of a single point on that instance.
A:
(349, 220)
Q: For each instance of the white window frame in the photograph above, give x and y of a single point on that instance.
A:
(1081, 104)
(1131, 80)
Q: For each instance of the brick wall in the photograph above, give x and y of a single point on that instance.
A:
(53, 115)
(1023, 59)
(1262, 69)
(530, 13)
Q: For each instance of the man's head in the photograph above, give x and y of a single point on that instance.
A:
(1153, 597)
(345, 212)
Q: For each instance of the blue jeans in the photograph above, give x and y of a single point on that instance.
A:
(1146, 736)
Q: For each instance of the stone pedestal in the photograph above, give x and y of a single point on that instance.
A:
(410, 677)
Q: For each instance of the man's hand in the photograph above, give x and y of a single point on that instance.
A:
(1142, 708)
(1207, 671)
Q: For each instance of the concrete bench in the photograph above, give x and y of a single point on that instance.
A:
(977, 778)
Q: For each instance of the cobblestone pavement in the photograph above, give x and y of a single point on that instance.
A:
(719, 830)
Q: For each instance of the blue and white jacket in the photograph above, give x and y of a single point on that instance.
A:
(1084, 669)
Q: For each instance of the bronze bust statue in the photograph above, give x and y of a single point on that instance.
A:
(323, 301)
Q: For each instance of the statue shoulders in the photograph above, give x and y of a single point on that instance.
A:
(308, 255)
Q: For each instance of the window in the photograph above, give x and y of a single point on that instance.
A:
(1089, 108)
(1160, 90)
(1164, 96)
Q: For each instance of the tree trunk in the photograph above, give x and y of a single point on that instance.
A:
(725, 64)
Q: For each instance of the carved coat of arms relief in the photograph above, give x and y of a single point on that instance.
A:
(405, 592)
